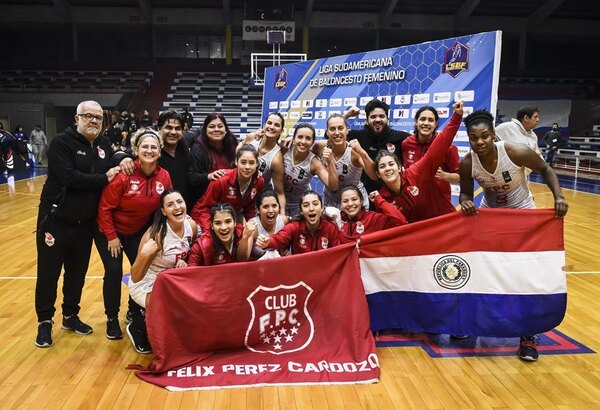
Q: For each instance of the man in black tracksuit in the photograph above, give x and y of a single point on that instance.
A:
(376, 136)
(80, 164)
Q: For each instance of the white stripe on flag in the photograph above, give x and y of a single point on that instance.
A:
(520, 273)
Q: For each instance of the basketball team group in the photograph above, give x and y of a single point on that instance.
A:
(206, 198)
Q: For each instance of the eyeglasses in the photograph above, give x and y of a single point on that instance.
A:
(90, 117)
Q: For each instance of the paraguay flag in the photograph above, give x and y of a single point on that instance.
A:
(498, 274)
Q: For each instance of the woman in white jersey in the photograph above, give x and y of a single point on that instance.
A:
(270, 157)
(300, 165)
(499, 167)
(165, 245)
(349, 159)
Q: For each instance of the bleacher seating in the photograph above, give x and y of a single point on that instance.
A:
(73, 81)
(227, 93)
(580, 153)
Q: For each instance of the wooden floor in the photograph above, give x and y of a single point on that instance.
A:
(89, 371)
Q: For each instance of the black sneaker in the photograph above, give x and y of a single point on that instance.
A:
(113, 330)
(44, 335)
(74, 324)
(139, 339)
(527, 349)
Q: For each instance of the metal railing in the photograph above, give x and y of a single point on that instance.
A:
(582, 163)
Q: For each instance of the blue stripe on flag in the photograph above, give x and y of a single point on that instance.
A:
(467, 313)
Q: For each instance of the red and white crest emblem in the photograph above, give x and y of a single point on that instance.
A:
(280, 320)
(324, 242)
(101, 153)
(160, 188)
(413, 190)
(49, 239)
(390, 147)
(360, 228)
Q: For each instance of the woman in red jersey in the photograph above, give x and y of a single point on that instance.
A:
(311, 232)
(414, 191)
(220, 245)
(126, 206)
(237, 187)
(358, 221)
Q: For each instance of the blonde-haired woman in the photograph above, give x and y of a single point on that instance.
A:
(126, 206)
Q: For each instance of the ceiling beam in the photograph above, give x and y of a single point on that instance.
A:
(464, 12)
(543, 12)
(385, 15)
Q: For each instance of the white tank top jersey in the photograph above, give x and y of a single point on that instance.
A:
(174, 248)
(506, 187)
(296, 181)
(256, 251)
(348, 174)
(265, 161)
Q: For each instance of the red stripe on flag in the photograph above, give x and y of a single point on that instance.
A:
(491, 230)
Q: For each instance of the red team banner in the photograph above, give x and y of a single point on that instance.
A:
(301, 319)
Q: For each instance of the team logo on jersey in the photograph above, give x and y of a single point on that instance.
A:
(413, 190)
(506, 176)
(281, 79)
(344, 169)
(301, 241)
(360, 228)
(451, 272)
(390, 147)
(456, 59)
(134, 188)
(49, 239)
(411, 155)
(324, 242)
(160, 188)
(280, 322)
(231, 192)
(253, 193)
(221, 256)
(101, 153)
(262, 166)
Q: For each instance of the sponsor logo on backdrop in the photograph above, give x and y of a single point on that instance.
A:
(281, 79)
(456, 59)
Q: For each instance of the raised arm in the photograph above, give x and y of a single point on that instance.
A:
(277, 171)
(466, 186)
(363, 160)
(246, 243)
(326, 173)
(435, 156)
